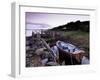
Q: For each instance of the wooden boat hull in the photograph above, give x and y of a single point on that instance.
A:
(70, 58)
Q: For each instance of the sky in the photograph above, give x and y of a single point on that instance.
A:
(36, 21)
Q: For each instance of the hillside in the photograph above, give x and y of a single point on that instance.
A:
(73, 26)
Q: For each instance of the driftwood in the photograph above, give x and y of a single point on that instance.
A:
(48, 47)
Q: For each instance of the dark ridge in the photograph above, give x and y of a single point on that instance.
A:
(73, 26)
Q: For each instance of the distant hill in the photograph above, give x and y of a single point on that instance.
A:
(73, 26)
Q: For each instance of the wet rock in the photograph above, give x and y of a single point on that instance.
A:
(44, 61)
(63, 63)
(36, 61)
(39, 51)
(28, 62)
(27, 47)
(52, 64)
(29, 55)
(85, 60)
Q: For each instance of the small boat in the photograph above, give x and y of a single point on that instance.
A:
(69, 53)
(68, 48)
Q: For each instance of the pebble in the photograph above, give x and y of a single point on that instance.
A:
(52, 63)
(44, 61)
(85, 60)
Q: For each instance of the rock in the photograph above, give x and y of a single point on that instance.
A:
(39, 51)
(36, 61)
(63, 63)
(28, 55)
(85, 60)
(45, 55)
(28, 62)
(55, 52)
(52, 64)
(44, 61)
(27, 47)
